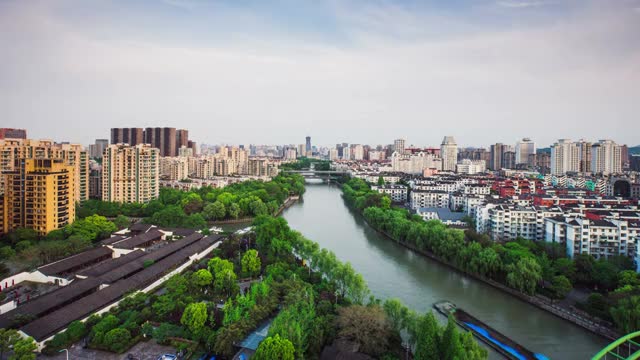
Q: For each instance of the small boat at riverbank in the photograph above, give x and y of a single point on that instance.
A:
(499, 342)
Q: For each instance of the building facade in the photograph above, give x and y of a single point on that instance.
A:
(449, 153)
(130, 174)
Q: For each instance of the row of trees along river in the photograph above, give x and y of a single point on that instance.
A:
(393, 271)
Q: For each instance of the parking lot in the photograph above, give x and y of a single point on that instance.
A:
(149, 350)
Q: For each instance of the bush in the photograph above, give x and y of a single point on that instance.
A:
(117, 340)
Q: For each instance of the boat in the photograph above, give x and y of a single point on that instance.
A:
(497, 341)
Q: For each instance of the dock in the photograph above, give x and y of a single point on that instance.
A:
(497, 341)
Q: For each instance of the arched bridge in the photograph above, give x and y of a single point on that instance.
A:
(625, 348)
(318, 174)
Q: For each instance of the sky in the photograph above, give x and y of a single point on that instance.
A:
(356, 71)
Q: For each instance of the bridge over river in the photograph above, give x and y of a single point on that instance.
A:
(326, 175)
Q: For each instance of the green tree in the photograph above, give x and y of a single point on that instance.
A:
(117, 340)
(201, 278)
(524, 275)
(194, 317)
(233, 210)
(122, 221)
(214, 211)
(628, 278)
(76, 330)
(626, 314)
(367, 326)
(191, 204)
(24, 349)
(561, 286)
(397, 314)
(427, 338)
(380, 181)
(251, 263)
(8, 338)
(273, 348)
(450, 346)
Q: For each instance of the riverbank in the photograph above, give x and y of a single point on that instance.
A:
(591, 324)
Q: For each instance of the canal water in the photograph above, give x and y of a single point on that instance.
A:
(394, 271)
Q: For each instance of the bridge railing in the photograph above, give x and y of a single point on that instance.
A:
(625, 348)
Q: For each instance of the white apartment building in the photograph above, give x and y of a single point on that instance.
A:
(599, 238)
(358, 152)
(333, 154)
(375, 155)
(174, 168)
(428, 199)
(414, 163)
(476, 189)
(449, 153)
(507, 222)
(565, 157)
(130, 174)
(606, 158)
(470, 167)
(397, 193)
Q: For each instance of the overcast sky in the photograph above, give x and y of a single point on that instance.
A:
(357, 71)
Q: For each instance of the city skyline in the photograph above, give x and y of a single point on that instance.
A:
(237, 73)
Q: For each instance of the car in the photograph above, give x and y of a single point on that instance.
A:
(167, 357)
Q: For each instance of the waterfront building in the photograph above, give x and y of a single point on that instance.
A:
(130, 174)
(39, 195)
(397, 193)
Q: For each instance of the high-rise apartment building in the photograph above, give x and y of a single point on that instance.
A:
(449, 153)
(606, 158)
(358, 152)
(308, 144)
(8, 133)
(333, 154)
(130, 174)
(565, 157)
(584, 156)
(39, 195)
(495, 162)
(12, 150)
(524, 148)
(398, 146)
(509, 160)
(131, 136)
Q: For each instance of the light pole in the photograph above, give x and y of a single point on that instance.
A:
(67, 351)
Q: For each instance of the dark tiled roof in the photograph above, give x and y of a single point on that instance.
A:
(113, 264)
(86, 257)
(139, 240)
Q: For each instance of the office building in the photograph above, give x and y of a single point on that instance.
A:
(130, 174)
(449, 153)
(308, 144)
(8, 133)
(524, 148)
(39, 195)
(398, 146)
(606, 158)
(496, 152)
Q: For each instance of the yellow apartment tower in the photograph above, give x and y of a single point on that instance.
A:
(39, 195)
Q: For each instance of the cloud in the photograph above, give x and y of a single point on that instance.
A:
(392, 74)
(521, 3)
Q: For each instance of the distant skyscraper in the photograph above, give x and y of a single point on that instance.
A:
(565, 157)
(584, 156)
(509, 160)
(398, 146)
(624, 156)
(308, 144)
(605, 158)
(449, 153)
(524, 148)
(8, 133)
(96, 150)
(131, 136)
(495, 162)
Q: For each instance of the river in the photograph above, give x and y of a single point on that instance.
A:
(394, 271)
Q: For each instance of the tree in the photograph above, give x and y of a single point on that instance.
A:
(427, 338)
(397, 314)
(561, 286)
(450, 346)
(194, 317)
(524, 275)
(76, 330)
(24, 349)
(8, 338)
(380, 181)
(366, 326)
(628, 277)
(122, 221)
(626, 314)
(117, 340)
(202, 278)
(214, 211)
(191, 204)
(233, 210)
(273, 348)
(251, 263)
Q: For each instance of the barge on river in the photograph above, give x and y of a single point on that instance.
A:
(499, 342)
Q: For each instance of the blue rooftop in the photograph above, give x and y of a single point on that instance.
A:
(255, 338)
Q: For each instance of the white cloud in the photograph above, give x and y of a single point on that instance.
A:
(521, 3)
